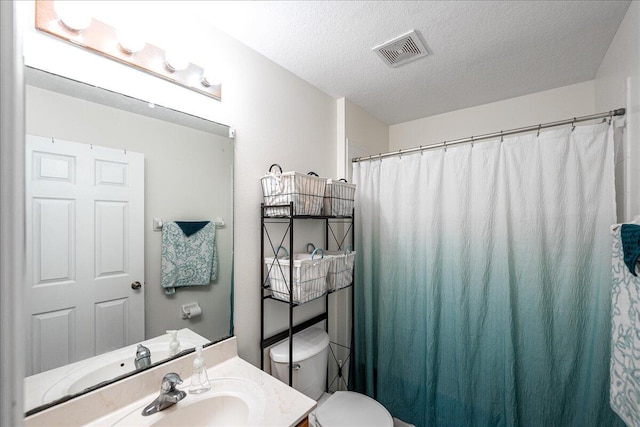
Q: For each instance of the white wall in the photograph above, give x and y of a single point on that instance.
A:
(177, 158)
(358, 134)
(365, 130)
(617, 84)
(278, 118)
(365, 134)
(547, 106)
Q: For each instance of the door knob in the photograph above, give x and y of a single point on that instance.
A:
(136, 285)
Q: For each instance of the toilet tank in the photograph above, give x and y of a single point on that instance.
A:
(310, 353)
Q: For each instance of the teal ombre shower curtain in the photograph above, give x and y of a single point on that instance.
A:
(483, 281)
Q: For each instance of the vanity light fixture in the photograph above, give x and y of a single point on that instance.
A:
(207, 79)
(130, 41)
(73, 15)
(174, 60)
(72, 22)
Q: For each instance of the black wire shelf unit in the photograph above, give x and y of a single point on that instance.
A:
(334, 237)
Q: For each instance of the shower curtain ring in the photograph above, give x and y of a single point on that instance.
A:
(400, 154)
(445, 146)
(471, 141)
(539, 126)
(421, 151)
(573, 124)
(501, 137)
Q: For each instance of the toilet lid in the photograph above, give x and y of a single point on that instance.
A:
(347, 408)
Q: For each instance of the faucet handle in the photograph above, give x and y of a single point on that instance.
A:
(170, 381)
(143, 357)
(142, 352)
(168, 394)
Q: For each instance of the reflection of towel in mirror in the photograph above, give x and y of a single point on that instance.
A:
(188, 260)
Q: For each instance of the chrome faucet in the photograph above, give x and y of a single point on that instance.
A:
(169, 395)
(143, 357)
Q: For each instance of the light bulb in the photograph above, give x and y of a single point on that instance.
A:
(208, 79)
(175, 60)
(130, 41)
(73, 14)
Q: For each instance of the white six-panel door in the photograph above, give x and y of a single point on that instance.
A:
(85, 249)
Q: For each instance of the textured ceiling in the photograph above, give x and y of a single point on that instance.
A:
(482, 51)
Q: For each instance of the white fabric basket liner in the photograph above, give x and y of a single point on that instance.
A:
(338, 198)
(305, 191)
(340, 273)
(309, 277)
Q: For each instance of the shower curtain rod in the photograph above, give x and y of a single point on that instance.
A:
(445, 144)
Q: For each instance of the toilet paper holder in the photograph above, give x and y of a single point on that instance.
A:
(191, 310)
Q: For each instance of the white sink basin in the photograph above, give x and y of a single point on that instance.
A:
(111, 369)
(222, 410)
(230, 402)
(104, 368)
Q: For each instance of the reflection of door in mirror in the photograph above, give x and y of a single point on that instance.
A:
(85, 207)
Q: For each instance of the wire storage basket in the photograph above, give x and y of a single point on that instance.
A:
(306, 191)
(340, 273)
(338, 198)
(309, 276)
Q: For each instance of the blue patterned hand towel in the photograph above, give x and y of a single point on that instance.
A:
(189, 255)
(630, 235)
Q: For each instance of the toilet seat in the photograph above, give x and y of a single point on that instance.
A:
(347, 408)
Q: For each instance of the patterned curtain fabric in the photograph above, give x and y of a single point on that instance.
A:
(483, 279)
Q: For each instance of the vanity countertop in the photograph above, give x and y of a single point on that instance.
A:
(124, 400)
(284, 406)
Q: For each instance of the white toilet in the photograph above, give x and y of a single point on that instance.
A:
(343, 408)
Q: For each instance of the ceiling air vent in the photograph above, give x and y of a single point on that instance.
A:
(406, 48)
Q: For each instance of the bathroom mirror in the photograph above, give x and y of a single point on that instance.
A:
(185, 166)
